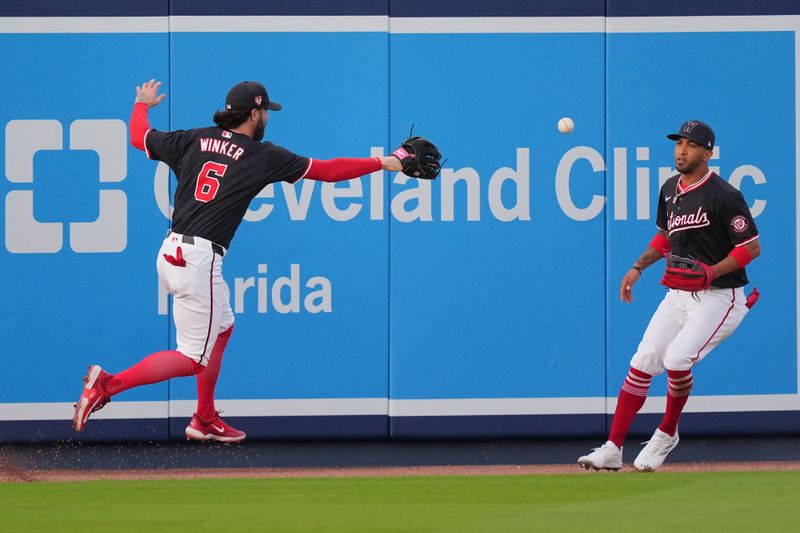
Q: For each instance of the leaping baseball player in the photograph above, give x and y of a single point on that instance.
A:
(220, 169)
(708, 237)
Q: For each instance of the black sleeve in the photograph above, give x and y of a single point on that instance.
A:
(735, 215)
(283, 165)
(166, 146)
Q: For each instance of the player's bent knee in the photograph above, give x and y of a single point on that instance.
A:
(679, 362)
(648, 359)
(650, 367)
(197, 363)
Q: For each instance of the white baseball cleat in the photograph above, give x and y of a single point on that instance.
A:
(657, 449)
(606, 457)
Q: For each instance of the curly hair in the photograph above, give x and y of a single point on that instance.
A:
(230, 119)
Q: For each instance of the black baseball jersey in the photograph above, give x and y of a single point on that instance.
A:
(219, 172)
(705, 222)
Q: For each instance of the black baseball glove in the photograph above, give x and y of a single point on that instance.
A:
(420, 158)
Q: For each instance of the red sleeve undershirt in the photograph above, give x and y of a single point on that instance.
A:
(139, 125)
(660, 243)
(342, 168)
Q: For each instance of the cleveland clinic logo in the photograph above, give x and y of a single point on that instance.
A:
(27, 235)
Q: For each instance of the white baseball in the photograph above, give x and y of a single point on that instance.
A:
(565, 125)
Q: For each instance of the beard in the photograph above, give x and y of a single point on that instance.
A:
(688, 167)
(258, 133)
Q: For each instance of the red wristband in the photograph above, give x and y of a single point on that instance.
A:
(741, 255)
(660, 244)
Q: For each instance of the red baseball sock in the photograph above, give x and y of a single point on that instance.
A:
(678, 389)
(631, 398)
(152, 369)
(207, 379)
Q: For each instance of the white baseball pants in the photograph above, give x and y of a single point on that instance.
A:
(685, 328)
(201, 306)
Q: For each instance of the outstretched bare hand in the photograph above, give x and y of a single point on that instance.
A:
(148, 93)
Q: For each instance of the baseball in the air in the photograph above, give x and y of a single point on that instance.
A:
(565, 125)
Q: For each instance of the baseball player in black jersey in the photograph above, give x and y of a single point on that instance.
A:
(707, 235)
(219, 169)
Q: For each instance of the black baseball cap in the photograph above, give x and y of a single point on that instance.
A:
(249, 95)
(696, 131)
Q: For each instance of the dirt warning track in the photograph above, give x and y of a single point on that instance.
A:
(10, 473)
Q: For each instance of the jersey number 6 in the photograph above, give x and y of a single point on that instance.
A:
(207, 182)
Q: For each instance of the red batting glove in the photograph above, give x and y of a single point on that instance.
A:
(752, 298)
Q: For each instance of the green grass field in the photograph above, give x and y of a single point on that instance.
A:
(725, 501)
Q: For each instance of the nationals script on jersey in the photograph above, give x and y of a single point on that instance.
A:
(706, 221)
(219, 172)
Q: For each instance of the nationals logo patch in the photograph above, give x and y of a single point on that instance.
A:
(739, 224)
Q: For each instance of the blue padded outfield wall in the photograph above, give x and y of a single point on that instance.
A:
(484, 304)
